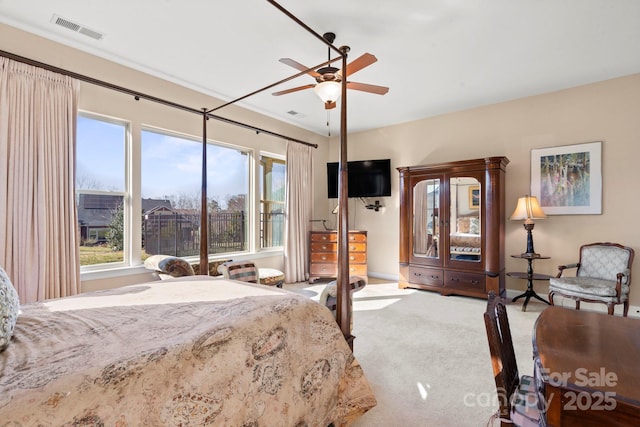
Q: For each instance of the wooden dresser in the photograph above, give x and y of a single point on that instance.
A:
(323, 254)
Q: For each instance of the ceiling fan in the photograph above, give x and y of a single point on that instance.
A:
(328, 78)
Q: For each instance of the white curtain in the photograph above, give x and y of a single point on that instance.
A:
(38, 217)
(299, 209)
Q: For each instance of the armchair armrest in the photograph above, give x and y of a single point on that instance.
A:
(561, 268)
(619, 277)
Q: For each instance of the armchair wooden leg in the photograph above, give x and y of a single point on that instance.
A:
(577, 304)
(626, 308)
(610, 309)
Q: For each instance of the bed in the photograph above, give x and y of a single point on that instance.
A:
(465, 244)
(191, 351)
(466, 241)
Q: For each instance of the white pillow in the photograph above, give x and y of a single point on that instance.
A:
(9, 308)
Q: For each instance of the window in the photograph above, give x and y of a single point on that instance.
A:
(272, 198)
(171, 195)
(101, 187)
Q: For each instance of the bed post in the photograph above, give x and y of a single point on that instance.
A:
(204, 235)
(343, 312)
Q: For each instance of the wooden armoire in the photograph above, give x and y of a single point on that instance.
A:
(452, 218)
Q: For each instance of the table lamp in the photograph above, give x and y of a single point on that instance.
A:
(528, 209)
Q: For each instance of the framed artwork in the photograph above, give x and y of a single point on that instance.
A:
(567, 180)
(474, 197)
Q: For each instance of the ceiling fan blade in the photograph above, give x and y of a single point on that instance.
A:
(359, 63)
(378, 90)
(293, 89)
(298, 66)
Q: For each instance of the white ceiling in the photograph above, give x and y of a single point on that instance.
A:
(436, 56)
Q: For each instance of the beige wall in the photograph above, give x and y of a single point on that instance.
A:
(607, 111)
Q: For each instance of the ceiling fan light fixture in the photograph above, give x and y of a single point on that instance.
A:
(329, 92)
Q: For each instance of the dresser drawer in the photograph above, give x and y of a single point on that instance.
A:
(461, 280)
(357, 247)
(355, 257)
(357, 237)
(357, 270)
(358, 257)
(324, 247)
(426, 276)
(324, 237)
(319, 269)
(331, 270)
(324, 257)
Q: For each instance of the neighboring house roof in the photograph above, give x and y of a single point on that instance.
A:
(95, 210)
(151, 204)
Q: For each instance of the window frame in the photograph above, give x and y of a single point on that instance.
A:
(125, 194)
(132, 263)
(281, 159)
(250, 210)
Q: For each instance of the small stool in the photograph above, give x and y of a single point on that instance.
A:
(271, 277)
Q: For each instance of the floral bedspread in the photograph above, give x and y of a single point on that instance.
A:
(193, 351)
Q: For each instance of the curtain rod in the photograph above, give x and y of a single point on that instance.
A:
(140, 95)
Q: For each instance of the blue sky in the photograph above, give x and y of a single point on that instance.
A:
(170, 166)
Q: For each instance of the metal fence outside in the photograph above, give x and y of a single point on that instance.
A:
(178, 234)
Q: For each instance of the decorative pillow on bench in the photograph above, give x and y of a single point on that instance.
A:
(9, 308)
(173, 266)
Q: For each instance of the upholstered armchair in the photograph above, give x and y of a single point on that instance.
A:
(603, 275)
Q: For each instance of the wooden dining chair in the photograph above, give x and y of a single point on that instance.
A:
(517, 395)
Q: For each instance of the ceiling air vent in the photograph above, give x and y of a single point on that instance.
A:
(70, 25)
(296, 114)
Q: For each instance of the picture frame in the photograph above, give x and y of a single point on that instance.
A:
(567, 180)
(474, 197)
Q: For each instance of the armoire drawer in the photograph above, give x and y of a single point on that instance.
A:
(426, 276)
(462, 280)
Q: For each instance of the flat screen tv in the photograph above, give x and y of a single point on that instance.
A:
(367, 178)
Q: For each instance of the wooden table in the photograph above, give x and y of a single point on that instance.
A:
(588, 365)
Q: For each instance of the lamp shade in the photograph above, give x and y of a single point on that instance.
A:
(528, 209)
(328, 91)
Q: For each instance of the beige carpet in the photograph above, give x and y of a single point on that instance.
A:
(426, 355)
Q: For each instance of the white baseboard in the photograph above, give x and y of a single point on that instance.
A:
(634, 310)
